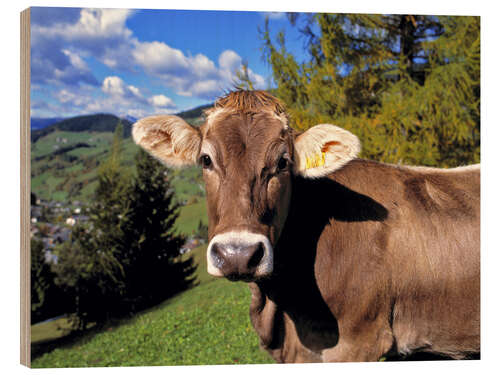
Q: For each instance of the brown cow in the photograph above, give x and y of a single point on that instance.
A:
(347, 259)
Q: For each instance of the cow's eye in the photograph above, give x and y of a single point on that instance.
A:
(282, 163)
(205, 161)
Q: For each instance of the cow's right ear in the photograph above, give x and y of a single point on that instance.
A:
(169, 139)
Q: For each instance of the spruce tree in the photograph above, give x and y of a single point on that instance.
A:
(155, 268)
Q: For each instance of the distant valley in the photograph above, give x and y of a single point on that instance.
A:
(65, 157)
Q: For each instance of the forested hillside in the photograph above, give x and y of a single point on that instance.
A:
(89, 123)
(65, 157)
(40, 123)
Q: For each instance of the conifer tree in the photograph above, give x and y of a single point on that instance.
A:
(154, 269)
(407, 85)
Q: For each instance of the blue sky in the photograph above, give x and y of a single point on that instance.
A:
(143, 62)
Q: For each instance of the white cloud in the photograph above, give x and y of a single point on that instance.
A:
(76, 60)
(101, 23)
(158, 58)
(115, 96)
(68, 97)
(58, 47)
(203, 66)
(115, 86)
(191, 76)
(161, 101)
(119, 106)
(205, 88)
(229, 60)
(135, 91)
(93, 24)
(63, 43)
(68, 101)
(128, 99)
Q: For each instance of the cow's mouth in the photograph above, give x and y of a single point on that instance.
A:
(239, 277)
(247, 277)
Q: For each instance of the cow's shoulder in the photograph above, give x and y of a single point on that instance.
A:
(422, 189)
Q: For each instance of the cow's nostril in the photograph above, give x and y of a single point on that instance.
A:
(217, 257)
(257, 256)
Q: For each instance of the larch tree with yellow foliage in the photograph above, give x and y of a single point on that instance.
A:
(408, 86)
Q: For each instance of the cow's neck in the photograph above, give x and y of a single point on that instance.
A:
(292, 292)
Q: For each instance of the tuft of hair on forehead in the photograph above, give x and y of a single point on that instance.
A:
(249, 101)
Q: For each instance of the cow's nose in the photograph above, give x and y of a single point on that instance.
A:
(235, 260)
(240, 256)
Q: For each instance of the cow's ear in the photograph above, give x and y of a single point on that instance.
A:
(323, 149)
(169, 139)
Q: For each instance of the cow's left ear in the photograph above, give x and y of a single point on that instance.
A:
(323, 149)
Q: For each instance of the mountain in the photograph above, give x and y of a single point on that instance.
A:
(190, 114)
(130, 119)
(100, 122)
(40, 122)
(194, 113)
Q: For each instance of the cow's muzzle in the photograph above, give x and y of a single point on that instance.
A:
(240, 255)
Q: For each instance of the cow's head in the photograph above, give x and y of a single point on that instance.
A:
(248, 155)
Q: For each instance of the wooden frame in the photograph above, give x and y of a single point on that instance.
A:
(25, 189)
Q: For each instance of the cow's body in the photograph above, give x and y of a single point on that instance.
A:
(375, 259)
(347, 259)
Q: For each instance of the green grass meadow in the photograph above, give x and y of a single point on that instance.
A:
(208, 324)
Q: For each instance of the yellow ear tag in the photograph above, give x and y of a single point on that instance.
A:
(317, 161)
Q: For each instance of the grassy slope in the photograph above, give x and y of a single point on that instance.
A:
(58, 328)
(208, 324)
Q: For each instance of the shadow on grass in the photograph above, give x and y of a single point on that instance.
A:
(70, 339)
